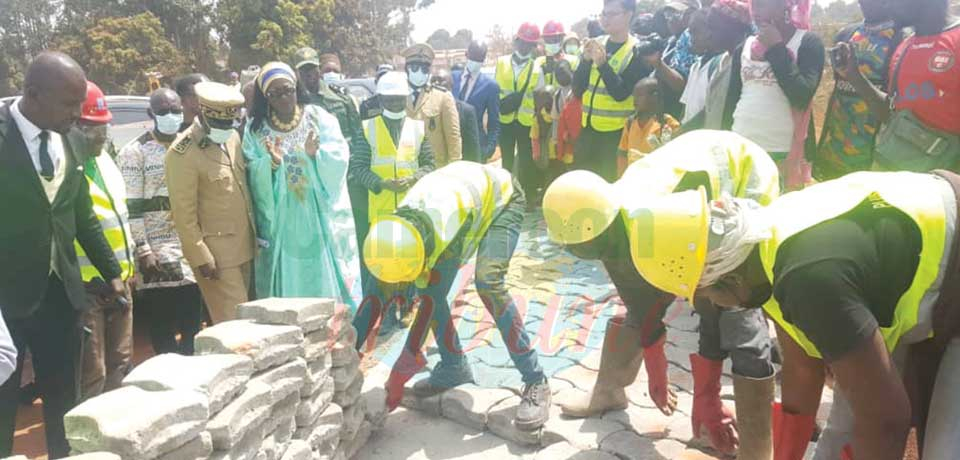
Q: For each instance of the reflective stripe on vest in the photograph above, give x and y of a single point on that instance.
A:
(450, 195)
(509, 85)
(601, 111)
(111, 210)
(919, 196)
(389, 161)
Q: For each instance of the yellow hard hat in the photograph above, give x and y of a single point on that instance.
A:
(668, 240)
(578, 207)
(394, 250)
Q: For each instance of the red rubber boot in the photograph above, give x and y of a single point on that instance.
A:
(711, 419)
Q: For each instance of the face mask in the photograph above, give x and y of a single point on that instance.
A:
(552, 49)
(332, 77)
(169, 124)
(219, 136)
(394, 115)
(473, 67)
(573, 49)
(521, 57)
(418, 79)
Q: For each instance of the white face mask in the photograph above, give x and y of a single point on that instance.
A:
(552, 49)
(219, 136)
(573, 49)
(332, 77)
(169, 124)
(474, 67)
(394, 115)
(418, 79)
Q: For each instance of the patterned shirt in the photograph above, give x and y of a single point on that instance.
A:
(850, 128)
(142, 164)
(678, 54)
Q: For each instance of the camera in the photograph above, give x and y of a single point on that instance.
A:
(837, 58)
(651, 44)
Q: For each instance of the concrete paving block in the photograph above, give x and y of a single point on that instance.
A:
(199, 447)
(135, 423)
(229, 426)
(317, 344)
(94, 456)
(340, 323)
(285, 379)
(17, 457)
(284, 431)
(319, 436)
(353, 417)
(644, 421)
(332, 416)
(269, 450)
(317, 373)
(468, 404)
(311, 407)
(558, 451)
(594, 455)
(282, 411)
(344, 355)
(580, 376)
(585, 433)
(219, 377)
(352, 446)
(343, 377)
(375, 402)
(246, 449)
(631, 446)
(500, 422)
(351, 394)
(430, 405)
(309, 314)
(267, 345)
(297, 450)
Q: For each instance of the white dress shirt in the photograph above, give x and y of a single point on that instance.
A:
(31, 137)
(8, 353)
(470, 84)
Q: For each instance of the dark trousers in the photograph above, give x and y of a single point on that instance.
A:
(516, 149)
(52, 333)
(493, 260)
(596, 151)
(171, 311)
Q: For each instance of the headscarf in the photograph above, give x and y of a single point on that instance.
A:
(275, 71)
(736, 226)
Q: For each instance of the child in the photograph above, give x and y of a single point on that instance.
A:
(540, 132)
(568, 114)
(648, 128)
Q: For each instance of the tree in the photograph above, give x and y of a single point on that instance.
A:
(498, 43)
(117, 52)
(25, 29)
(439, 39)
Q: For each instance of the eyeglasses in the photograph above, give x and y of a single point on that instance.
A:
(612, 14)
(163, 112)
(417, 67)
(281, 92)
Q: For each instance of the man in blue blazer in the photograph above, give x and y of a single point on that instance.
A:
(483, 93)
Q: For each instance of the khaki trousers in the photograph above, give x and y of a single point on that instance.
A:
(108, 351)
(223, 295)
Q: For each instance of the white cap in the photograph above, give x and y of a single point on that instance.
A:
(393, 84)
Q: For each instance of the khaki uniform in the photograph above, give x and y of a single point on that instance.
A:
(437, 108)
(213, 216)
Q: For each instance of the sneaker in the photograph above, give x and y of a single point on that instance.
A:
(534, 409)
(444, 377)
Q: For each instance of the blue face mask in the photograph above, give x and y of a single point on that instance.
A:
(418, 79)
(219, 136)
(473, 67)
(169, 124)
(332, 77)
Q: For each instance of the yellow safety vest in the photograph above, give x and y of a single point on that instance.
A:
(601, 111)
(734, 165)
(110, 206)
(551, 78)
(509, 85)
(389, 161)
(455, 194)
(919, 196)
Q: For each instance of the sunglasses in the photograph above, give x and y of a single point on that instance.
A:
(281, 92)
(418, 67)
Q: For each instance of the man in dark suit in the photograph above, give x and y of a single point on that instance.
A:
(469, 124)
(45, 204)
(483, 93)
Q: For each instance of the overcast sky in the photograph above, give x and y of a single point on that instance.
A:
(481, 15)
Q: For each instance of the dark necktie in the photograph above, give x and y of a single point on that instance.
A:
(46, 164)
(464, 87)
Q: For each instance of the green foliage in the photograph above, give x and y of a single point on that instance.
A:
(442, 40)
(117, 52)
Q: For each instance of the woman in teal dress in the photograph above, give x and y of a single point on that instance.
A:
(297, 165)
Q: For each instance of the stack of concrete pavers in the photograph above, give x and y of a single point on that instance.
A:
(348, 385)
(89, 456)
(315, 423)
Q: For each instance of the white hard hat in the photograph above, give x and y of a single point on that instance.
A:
(393, 84)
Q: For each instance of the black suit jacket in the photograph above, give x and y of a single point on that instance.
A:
(32, 229)
(469, 132)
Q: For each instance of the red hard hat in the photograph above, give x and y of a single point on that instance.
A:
(529, 32)
(95, 108)
(553, 29)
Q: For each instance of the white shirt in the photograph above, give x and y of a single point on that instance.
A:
(470, 84)
(694, 96)
(31, 137)
(8, 353)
